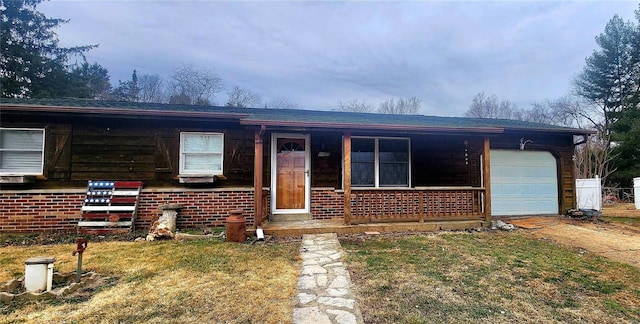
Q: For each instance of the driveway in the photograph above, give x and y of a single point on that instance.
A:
(618, 242)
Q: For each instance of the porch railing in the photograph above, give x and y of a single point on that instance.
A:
(416, 204)
(265, 205)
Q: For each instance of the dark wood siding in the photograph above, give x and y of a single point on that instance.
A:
(79, 149)
(326, 169)
(122, 150)
(446, 161)
(436, 160)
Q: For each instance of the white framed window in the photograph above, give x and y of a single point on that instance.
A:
(201, 153)
(21, 151)
(379, 162)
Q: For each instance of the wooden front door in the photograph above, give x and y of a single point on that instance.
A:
(291, 173)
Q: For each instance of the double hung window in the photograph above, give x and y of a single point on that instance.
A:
(21, 151)
(201, 153)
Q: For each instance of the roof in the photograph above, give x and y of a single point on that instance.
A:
(284, 117)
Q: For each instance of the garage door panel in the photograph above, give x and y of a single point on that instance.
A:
(523, 183)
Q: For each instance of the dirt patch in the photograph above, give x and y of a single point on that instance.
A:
(533, 222)
(618, 242)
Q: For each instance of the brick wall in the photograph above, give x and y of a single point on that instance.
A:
(200, 208)
(327, 203)
(32, 210)
(39, 211)
(51, 210)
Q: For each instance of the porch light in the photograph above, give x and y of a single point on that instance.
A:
(524, 142)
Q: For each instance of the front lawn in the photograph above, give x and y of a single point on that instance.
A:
(165, 281)
(487, 277)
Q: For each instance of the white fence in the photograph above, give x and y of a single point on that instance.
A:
(589, 192)
(636, 191)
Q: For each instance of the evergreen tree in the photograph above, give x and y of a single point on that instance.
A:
(89, 81)
(127, 90)
(611, 81)
(606, 80)
(32, 63)
(626, 127)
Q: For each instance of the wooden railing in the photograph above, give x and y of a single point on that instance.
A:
(415, 204)
(265, 205)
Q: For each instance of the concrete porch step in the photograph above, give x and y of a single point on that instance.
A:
(278, 218)
(298, 228)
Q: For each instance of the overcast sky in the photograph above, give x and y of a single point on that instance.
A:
(318, 53)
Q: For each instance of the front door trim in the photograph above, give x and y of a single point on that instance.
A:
(274, 167)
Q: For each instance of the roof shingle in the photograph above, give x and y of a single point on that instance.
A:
(285, 117)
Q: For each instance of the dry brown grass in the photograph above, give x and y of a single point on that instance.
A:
(625, 214)
(488, 277)
(170, 281)
(621, 210)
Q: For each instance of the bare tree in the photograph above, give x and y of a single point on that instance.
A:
(539, 113)
(195, 86)
(151, 88)
(282, 103)
(594, 158)
(354, 106)
(404, 106)
(569, 111)
(243, 98)
(491, 107)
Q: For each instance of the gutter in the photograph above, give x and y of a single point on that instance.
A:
(121, 111)
(492, 130)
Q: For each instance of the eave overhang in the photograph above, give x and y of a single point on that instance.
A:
(123, 111)
(351, 126)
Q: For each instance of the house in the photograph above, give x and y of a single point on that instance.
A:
(278, 165)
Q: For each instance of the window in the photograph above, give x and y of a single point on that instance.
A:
(379, 162)
(201, 153)
(21, 151)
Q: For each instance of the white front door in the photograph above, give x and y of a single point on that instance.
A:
(290, 173)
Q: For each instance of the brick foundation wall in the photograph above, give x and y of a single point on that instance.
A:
(327, 203)
(51, 210)
(40, 211)
(59, 210)
(200, 208)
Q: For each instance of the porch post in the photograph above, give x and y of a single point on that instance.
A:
(486, 178)
(347, 178)
(257, 177)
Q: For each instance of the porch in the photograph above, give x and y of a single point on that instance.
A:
(418, 199)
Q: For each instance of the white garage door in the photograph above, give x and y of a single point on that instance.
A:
(523, 183)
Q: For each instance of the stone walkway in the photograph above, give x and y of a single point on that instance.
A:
(324, 288)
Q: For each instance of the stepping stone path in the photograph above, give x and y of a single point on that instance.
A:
(324, 287)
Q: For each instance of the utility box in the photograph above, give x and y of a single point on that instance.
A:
(38, 274)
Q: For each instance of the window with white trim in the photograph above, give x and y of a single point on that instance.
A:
(380, 162)
(21, 151)
(201, 153)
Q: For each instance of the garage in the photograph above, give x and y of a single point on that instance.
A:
(523, 183)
